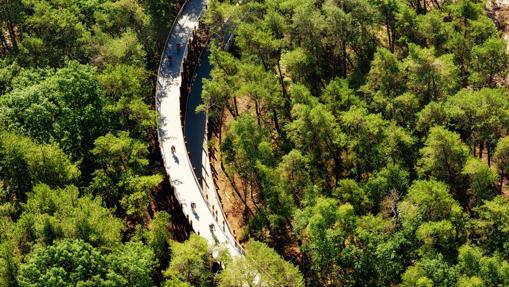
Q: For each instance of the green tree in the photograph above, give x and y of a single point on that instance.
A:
(134, 263)
(123, 49)
(480, 117)
(481, 180)
(404, 109)
(67, 263)
(12, 18)
(338, 97)
(390, 182)
(489, 61)
(317, 135)
(122, 161)
(407, 25)
(261, 87)
(158, 235)
(260, 266)
(443, 156)
(24, 163)
(295, 175)
(431, 78)
(501, 158)
(77, 263)
(433, 114)
(491, 225)
(385, 78)
(388, 10)
(53, 29)
(191, 261)
(50, 109)
(175, 283)
(437, 219)
(247, 144)
(365, 136)
(9, 263)
(219, 94)
(348, 191)
(398, 146)
(477, 269)
(435, 30)
(324, 229)
(430, 272)
(52, 214)
(126, 91)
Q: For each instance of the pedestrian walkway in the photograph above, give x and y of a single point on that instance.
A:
(207, 217)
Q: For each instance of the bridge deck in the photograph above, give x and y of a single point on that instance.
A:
(177, 164)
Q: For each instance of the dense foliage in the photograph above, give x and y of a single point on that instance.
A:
(79, 169)
(368, 137)
(76, 126)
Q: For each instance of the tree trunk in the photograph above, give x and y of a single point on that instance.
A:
(265, 66)
(389, 36)
(232, 182)
(276, 122)
(488, 150)
(3, 43)
(220, 132)
(235, 107)
(281, 79)
(258, 113)
(337, 165)
(12, 35)
(253, 199)
(343, 60)
(283, 89)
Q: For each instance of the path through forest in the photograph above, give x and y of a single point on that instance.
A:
(202, 208)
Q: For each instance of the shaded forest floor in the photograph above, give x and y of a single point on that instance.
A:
(235, 196)
(498, 10)
(233, 206)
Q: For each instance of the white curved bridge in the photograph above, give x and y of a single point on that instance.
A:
(208, 210)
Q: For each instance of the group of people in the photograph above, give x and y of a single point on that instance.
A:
(173, 149)
(211, 226)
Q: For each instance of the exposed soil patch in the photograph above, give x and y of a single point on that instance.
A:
(234, 207)
(498, 11)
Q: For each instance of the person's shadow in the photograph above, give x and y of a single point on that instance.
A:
(176, 182)
(196, 215)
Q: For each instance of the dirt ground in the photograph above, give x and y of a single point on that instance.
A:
(498, 10)
(233, 206)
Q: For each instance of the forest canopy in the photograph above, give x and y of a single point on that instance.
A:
(368, 139)
(367, 142)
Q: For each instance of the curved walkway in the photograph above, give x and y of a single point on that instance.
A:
(208, 211)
